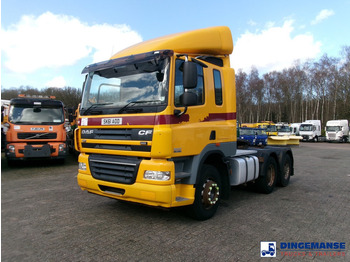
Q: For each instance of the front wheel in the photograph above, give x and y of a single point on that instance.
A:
(207, 195)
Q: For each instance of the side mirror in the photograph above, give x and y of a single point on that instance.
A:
(70, 118)
(189, 75)
(189, 99)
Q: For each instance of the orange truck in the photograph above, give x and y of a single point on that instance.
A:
(36, 129)
(157, 126)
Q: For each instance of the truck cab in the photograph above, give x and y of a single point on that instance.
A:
(337, 130)
(36, 129)
(310, 130)
(283, 129)
(157, 126)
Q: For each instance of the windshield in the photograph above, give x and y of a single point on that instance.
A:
(29, 115)
(137, 87)
(247, 132)
(283, 129)
(261, 132)
(270, 128)
(333, 128)
(305, 128)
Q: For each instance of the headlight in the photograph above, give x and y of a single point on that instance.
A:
(82, 166)
(157, 175)
(61, 147)
(11, 149)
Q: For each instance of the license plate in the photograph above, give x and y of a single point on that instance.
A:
(111, 121)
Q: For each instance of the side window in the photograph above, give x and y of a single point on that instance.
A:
(179, 90)
(218, 87)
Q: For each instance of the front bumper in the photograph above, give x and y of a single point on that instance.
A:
(23, 151)
(153, 193)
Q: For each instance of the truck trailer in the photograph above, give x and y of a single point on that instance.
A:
(36, 129)
(158, 126)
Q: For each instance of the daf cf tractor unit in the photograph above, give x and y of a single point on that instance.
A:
(158, 126)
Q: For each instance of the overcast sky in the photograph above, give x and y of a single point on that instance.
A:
(48, 43)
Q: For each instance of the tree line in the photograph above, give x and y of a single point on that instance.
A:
(310, 90)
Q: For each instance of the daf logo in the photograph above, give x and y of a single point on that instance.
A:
(145, 132)
(87, 131)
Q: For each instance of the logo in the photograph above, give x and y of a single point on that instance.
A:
(313, 249)
(267, 249)
(87, 131)
(145, 132)
(37, 129)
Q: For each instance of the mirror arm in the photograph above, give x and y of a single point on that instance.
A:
(178, 112)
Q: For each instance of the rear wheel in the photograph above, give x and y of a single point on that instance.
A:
(207, 195)
(266, 183)
(286, 171)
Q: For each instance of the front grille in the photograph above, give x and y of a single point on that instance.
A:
(36, 135)
(331, 136)
(114, 168)
(144, 136)
(117, 147)
(117, 134)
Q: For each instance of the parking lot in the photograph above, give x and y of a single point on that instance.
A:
(46, 217)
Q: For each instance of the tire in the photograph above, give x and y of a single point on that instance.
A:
(267, 182)
(207, 195)
(315, 139)
(287, 168)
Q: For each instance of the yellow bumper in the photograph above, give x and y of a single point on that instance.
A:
(148, 194)
(153, 193)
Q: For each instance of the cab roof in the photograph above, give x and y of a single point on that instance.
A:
(36, 101)
(211, 41)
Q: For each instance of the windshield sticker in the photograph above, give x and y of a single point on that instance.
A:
(56, 120)
(84, 121)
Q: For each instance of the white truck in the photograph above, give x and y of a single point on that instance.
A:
(295, 128)
(337, 130)
(283, 129)
(310, 130)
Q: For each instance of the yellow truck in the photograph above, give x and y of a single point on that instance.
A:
(157, 126)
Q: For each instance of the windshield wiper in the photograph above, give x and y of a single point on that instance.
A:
(121, 110)
(94, 106)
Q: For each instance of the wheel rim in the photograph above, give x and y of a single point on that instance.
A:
(210, 193)
(271, 174)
